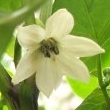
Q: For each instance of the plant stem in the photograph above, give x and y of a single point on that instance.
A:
(101, 83)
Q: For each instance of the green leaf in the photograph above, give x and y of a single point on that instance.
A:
(78, 87)
(91, 17)
(92, 20)
(95, 101)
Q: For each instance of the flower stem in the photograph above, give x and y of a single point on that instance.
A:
(101, 83)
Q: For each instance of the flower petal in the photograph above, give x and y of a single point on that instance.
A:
(30, 36)
(73, 67)
(80, 46)
(47, 77)
(26, 67)
(59, 24)
(56, 73)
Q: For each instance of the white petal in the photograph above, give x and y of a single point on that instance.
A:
(80, 46)
(47, 77)
(30, 36)
(26, 67)
(59, 24)
(73, 67)
(56, 72)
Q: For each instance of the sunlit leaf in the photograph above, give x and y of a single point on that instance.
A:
(3, 104)
(10, 47)
(82, 89)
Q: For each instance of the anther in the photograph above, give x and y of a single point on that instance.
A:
(56, 51)
(49, 47)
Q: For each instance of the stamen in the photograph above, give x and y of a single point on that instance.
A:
(56, 51)
(45, 51)
(48, 47)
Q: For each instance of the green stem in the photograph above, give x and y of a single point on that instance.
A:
(101, 83)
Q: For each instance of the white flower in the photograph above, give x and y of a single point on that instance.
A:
(52, 52)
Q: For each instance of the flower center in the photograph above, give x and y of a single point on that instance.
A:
(48, 47)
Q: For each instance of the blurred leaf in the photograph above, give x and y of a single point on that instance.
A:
(106, 57)
(9, 5)
(2, 103)
(5, 5)
(15, 4)
(5, 36)
(5, 107)
(10, 47)
(46, 10)
(95, 101)
(92, 20)
(82, 89)
(5, 80)
(10, 21)
(41, 108)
